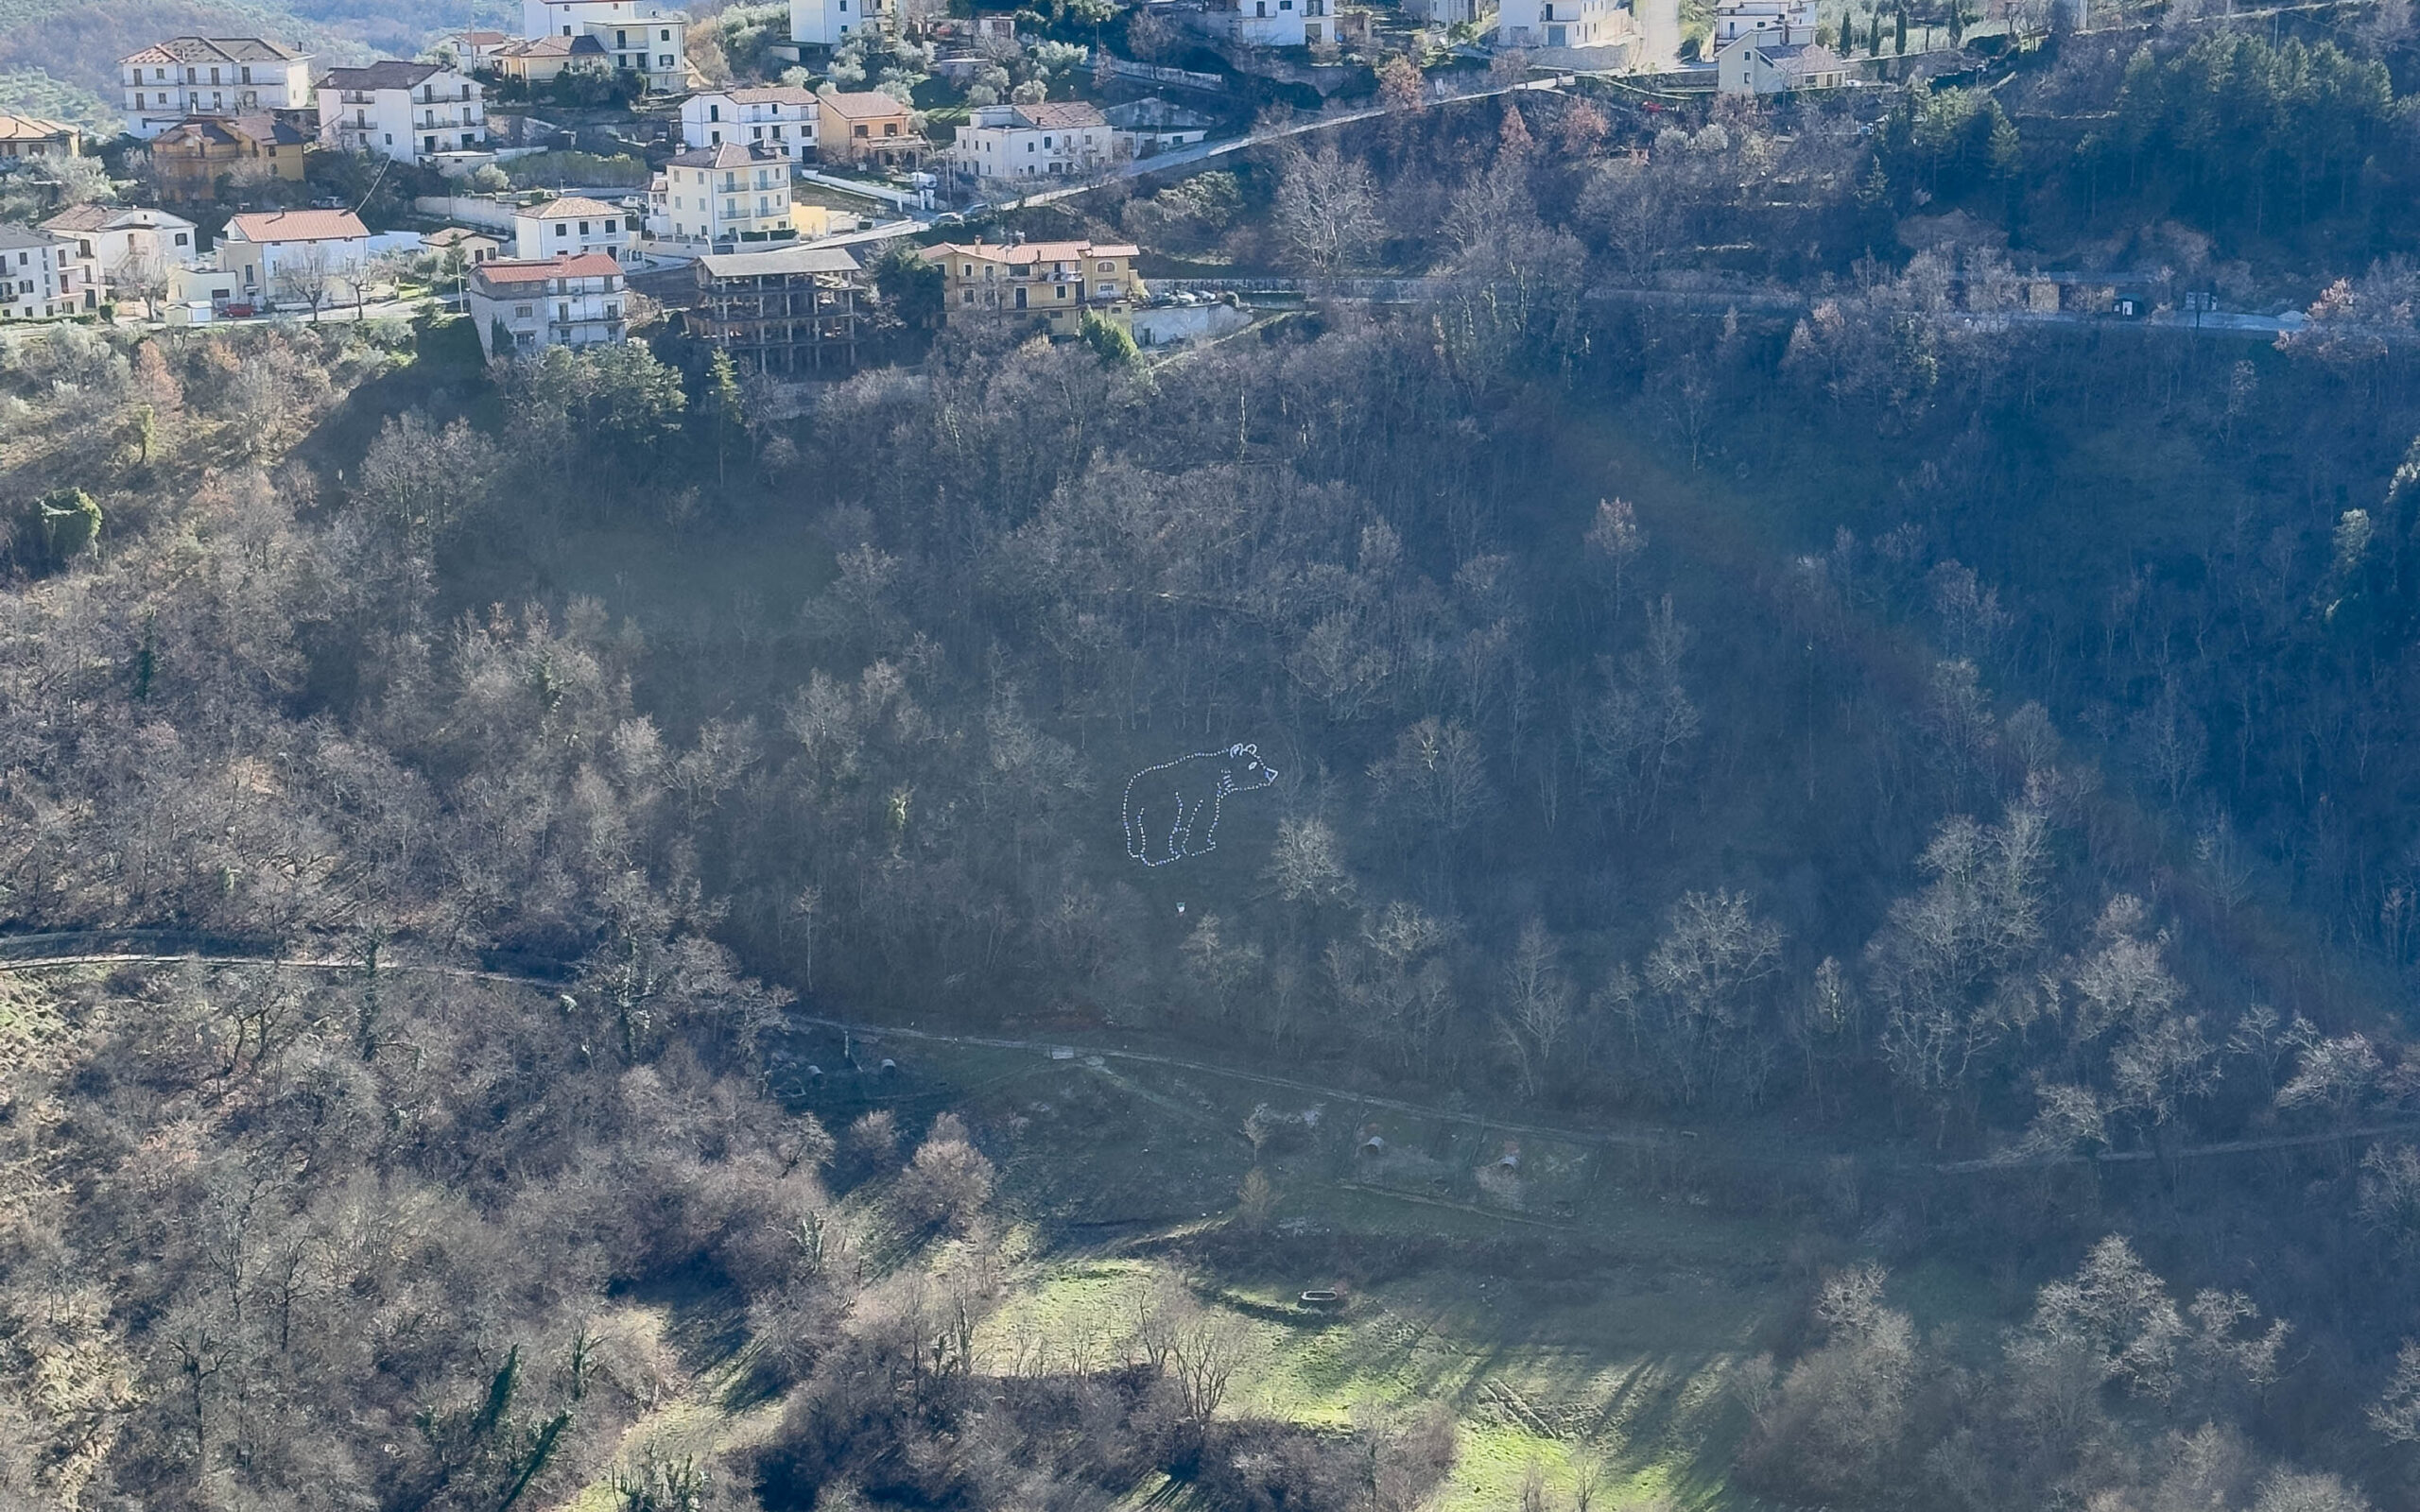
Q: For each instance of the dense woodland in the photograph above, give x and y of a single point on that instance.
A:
(1921, 752)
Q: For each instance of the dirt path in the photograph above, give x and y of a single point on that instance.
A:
(1674, 1140)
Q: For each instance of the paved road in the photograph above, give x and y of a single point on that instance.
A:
(1185, 157)
(1421, 289)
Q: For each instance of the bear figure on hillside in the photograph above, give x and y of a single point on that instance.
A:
(1172, 809)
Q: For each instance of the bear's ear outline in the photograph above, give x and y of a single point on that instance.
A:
(1246, 750)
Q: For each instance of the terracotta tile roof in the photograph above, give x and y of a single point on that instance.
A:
(867, 104)
(583, 45)
(266, 129)
(215, 50)
(766, 94)
(17, 237)
(1064, 113)
(1018, 255)
(387, 73)
(299, 226)
(570, 205)
(728, 154)
(588, 264)
(81, 218)
(31, 128)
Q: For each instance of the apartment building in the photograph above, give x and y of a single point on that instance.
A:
(520, 307)
(190, 158)
(572, 226)
(636, 36)
(1038, 141)
(41, 277)
(780, 119)
(830, 22)
(185, 76)
(1055, 284)
(717, 199)
(407, 112)
(127, 245)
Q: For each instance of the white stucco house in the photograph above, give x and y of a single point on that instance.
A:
(128, 243)
(411, 112)
(779, 118)
(1045, 140)
(187, 77)
(830, 22)
(638, 36)
(720, 200)
(41, 277)
(574, 226)
(521, 306)
(1777, 61)
(279, 258)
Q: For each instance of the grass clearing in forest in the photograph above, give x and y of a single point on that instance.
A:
(1601, 1330)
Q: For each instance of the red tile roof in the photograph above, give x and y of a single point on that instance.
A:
(866, 105)
(299, 226)
(1018, 253)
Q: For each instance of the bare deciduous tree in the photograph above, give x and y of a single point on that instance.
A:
(1327, 211)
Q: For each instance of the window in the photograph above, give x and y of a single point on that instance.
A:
(1061, 292)
(714, 113)
(523, 312)
(561, 230)
(1106, 267)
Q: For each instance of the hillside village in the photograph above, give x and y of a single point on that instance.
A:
(611, 156)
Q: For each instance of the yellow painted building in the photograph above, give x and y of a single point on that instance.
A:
(189, 159)
(1054, 282)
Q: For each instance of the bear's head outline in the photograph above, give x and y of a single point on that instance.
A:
(1245, 770)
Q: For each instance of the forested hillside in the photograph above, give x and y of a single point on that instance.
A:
(1928, 786)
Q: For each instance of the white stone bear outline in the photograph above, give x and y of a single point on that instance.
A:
(1192, 826)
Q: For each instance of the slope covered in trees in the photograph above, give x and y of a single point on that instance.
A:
(1953, 766)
